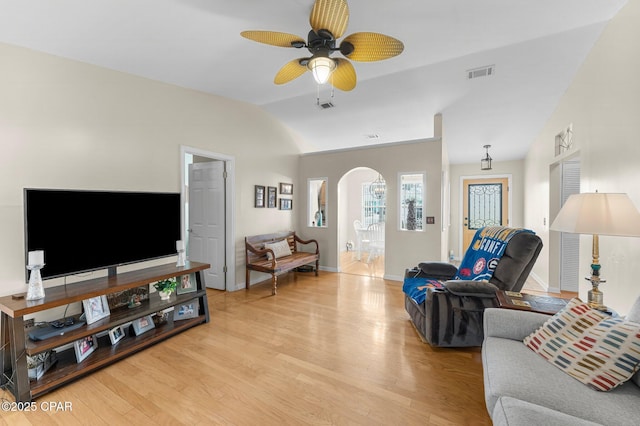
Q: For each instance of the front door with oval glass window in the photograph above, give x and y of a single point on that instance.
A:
(485, 203)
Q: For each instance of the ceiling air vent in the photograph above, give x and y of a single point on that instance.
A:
(325, 105)
(481, 72)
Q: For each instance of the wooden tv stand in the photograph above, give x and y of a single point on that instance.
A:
(16, 345)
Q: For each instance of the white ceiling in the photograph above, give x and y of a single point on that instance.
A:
(535, 45)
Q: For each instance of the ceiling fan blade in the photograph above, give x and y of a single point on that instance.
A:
(332, 15)
(369, 47)
(274, 38)
(344, 76)
(290, 71)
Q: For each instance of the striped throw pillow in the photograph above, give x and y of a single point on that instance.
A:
(592, 347)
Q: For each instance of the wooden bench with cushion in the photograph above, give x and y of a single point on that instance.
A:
(276, 254)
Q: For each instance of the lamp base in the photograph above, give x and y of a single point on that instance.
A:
(595, 296)
(35, 289)
(182, 260)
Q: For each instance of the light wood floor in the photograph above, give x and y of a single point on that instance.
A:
(350, 264)
(334, 349)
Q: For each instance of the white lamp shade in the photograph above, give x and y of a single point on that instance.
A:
(321, 67)
(598, 214)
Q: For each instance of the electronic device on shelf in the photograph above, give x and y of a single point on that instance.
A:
(62, 324)
(50, 330)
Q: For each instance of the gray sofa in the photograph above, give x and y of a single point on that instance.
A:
(522, 388)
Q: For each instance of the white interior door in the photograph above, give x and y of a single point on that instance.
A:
(207, 220)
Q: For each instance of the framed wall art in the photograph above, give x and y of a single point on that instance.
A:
(271, 196)
(286, 204)
(259, 196)
(286, 188)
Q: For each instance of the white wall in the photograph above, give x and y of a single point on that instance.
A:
(65, 124)
(404, 249)
(603, 103)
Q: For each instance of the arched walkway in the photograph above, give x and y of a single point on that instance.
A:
(361, 252)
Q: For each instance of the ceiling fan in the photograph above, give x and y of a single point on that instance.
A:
(329, 19)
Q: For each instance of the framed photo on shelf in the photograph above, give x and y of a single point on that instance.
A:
(271, 196)
(143, 324)
(85, 347)
(259, 196)
(186, 310)
(286, 204)
(286, 188)
(96, 308)
(186, 284)
(116, 334)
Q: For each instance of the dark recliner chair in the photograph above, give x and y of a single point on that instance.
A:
(452, 316)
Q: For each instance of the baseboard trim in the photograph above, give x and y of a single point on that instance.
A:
(264, 277)
(540, 282)
(398, 278)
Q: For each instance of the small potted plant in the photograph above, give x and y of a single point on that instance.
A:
(166, 287)
(39, 364)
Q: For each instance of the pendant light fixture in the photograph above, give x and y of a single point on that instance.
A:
(485, 163)
(378, 187)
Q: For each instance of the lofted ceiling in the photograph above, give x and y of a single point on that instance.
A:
(535, 46)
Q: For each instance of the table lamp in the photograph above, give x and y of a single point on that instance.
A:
(598, 214)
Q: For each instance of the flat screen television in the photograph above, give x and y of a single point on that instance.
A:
(82, 231)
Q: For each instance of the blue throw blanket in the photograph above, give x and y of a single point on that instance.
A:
(416, 288)
(480, 260)
(484, 252)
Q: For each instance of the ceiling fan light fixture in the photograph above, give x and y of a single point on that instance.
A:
(321, 67)
(329, 19)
